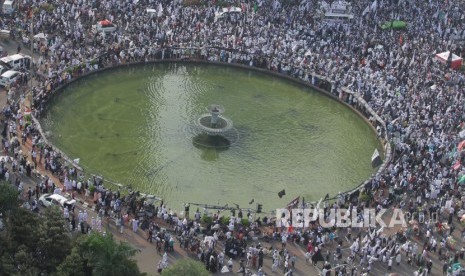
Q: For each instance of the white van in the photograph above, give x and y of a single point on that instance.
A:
(17, 61)
(9, 77)
(8, 7)
(4, 68)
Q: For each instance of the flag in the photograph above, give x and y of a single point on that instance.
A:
(294, 203)
(374, 5)
(462, 179)
(376, 159)
(255, 8)
(366, 10)
(456, 165)
(412, 62)
(461, 145)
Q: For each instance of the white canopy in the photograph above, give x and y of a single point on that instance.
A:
(40, 36)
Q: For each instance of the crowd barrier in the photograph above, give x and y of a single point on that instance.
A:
(224, 56)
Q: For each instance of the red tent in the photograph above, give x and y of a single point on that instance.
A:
(105, 23)
(456, 61)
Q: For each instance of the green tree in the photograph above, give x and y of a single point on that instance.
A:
(109, 257)
(24, 262)
(18, 246)
(54, 240)
(74, 264)
(8, 198)
(186, 267)
(101, 255)
(33, 245)
(23, 229)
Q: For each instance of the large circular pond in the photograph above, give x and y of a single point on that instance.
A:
(136, 126)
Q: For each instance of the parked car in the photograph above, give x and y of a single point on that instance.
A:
(3, 68)
(48, 200)
(9, 77)
(17, 61)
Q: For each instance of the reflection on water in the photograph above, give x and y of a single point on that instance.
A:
(205, 141)
(138, 128)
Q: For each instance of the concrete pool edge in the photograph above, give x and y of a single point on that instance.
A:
(384, 143)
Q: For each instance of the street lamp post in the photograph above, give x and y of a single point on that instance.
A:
(29, 96)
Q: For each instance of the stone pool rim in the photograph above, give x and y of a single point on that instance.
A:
(384, 142)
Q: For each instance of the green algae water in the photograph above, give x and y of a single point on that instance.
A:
(134, 125)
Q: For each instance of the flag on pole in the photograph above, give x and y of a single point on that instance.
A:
(294, 203)
(374, 5)
(412, 62)
(366, 10)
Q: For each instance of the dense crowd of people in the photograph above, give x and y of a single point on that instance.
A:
(419, 99)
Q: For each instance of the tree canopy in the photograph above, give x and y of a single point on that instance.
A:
(8, 197)
(35, 245)
(98, 254)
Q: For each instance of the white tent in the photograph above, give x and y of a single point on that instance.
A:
(40, 36)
